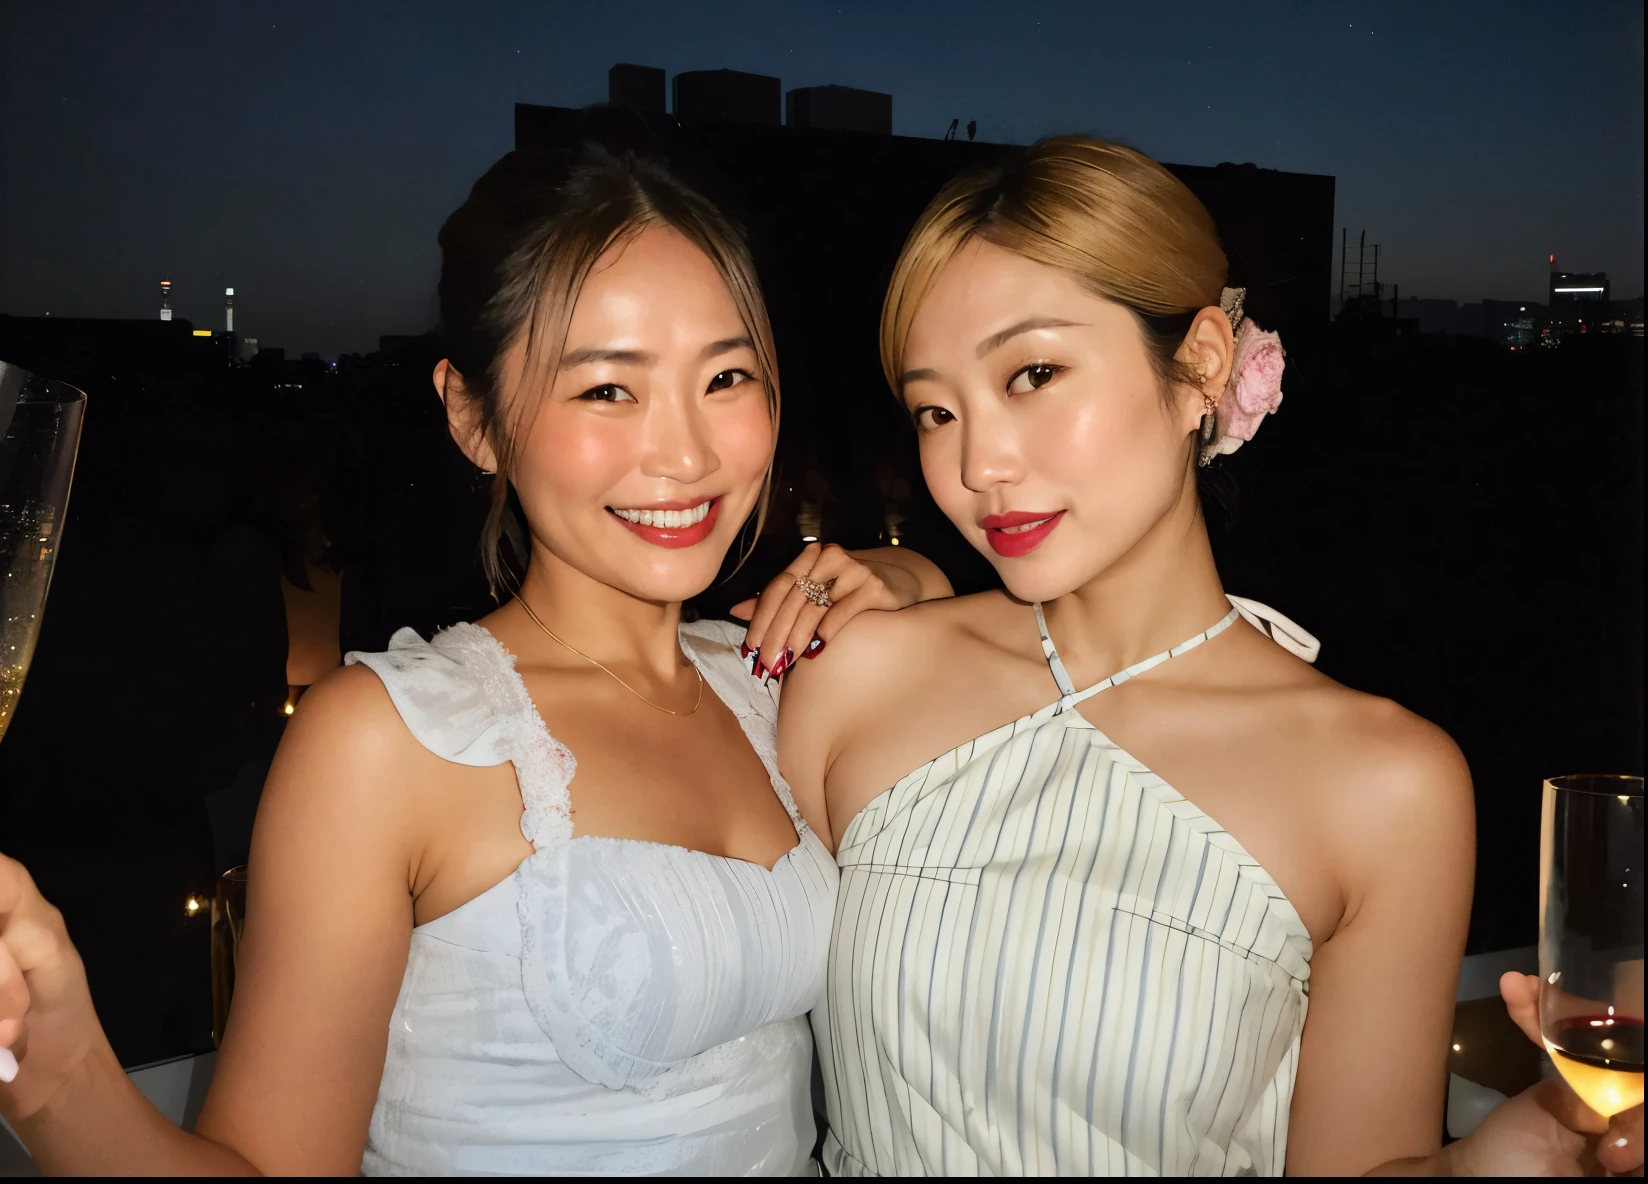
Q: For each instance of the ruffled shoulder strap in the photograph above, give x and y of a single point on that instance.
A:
(713, 648)
(460, 696)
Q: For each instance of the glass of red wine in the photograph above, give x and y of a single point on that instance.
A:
(1590, 936)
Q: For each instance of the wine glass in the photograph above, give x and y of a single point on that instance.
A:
(1590, 936)
(39, 436)
(228, 922)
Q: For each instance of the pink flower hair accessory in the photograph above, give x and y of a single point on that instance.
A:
(1254, 389)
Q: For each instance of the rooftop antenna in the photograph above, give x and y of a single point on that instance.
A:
(954, 124)
(1359, 273)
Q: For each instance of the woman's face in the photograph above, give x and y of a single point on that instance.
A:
(649, 448)
(1044, 434)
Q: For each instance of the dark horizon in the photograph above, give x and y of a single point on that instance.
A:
(307, 158)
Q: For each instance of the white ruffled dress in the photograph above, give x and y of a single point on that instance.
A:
(614, 1006)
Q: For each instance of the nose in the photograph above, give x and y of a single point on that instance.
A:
(989, 453)
(678, 446)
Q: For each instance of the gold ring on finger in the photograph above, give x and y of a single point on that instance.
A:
(815, 592)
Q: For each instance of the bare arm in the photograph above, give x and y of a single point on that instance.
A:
(329, 919)
(1373, 1064)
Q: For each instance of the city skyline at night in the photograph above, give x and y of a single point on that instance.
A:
(306, 156)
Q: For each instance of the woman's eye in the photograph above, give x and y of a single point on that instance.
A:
(607, 392)
(932, 417)
(728, 379)
(1032, 378)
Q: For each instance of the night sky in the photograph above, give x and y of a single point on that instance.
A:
(306, 154)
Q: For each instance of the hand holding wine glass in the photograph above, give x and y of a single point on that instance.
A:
(1591, 937)
(1619, 1149)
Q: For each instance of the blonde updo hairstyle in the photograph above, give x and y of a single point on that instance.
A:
(1121, 224)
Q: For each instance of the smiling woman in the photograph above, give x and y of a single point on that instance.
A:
(533, 974)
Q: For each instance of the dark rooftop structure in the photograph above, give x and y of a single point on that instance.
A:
(839, 108)
(829, 208)
(85, 351)
(640, 88)
(727, 95)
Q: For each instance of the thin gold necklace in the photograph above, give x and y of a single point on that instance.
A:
(658, 706)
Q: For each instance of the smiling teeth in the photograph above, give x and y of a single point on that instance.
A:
(1026, 527)
(667, 518)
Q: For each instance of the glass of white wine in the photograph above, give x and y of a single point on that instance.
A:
(1590, 936)
(39, 436)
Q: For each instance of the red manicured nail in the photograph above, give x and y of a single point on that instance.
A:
(744, 649)
(760, 670)
(814, 648)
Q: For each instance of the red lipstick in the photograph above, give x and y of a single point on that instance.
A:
(674, 537)
(1020, 542)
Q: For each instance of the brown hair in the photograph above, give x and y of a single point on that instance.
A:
(514, 258)
(1115, 219)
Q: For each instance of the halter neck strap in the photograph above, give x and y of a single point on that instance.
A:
(1069, 696)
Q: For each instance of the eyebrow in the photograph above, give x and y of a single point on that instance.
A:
(992, 343)
(640, 357)
(582, 357)
(996, 340)
(725, 346)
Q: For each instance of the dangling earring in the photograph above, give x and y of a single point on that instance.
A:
(1209, 430)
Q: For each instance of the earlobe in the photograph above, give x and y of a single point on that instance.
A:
(463, 418)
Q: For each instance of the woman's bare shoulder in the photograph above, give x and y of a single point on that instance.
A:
(880, 653)
(1395, 781)
(346, 743)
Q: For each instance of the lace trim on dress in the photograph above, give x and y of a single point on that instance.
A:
(713, 648)
(544, 766)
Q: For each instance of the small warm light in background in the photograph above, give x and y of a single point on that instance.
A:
(892, 523)
(290, 707)
(193, 905)
(809, 521)
(1456, 1048)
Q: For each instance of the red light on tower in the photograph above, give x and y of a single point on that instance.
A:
(1552, 259)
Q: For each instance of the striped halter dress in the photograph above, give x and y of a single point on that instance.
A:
(1045, 960)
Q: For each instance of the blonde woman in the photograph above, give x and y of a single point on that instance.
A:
(1127, 887)
(528, 898)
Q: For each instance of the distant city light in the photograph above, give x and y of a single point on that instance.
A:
(193, 905)
(228, 291)
(1576, 289)
(809, 538)
(203, 333)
